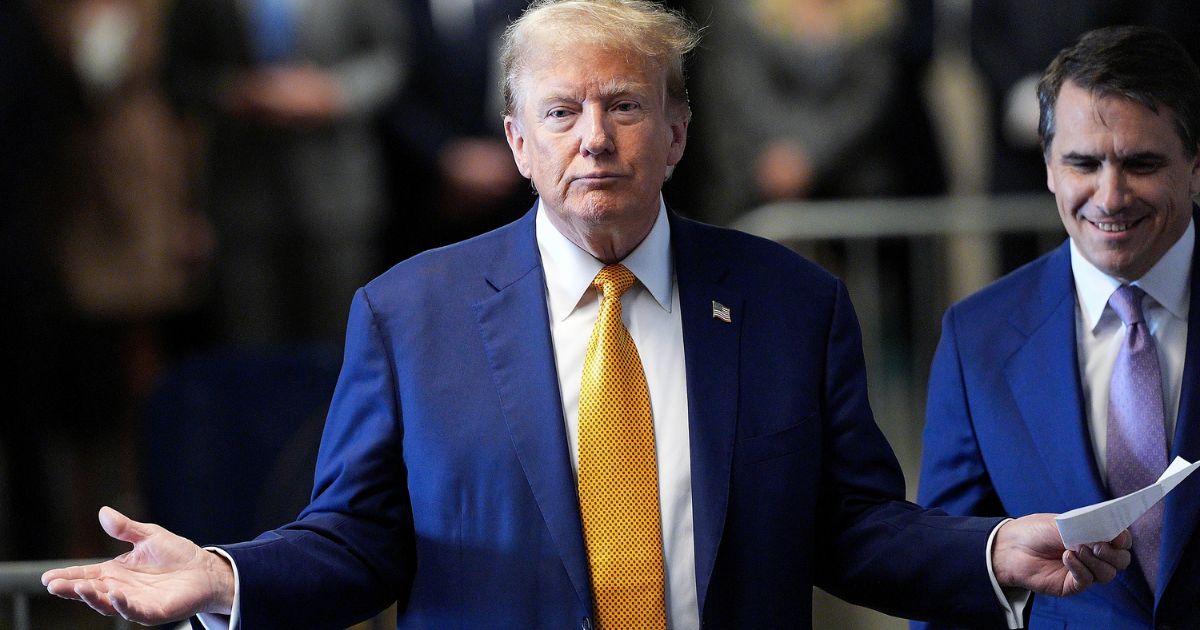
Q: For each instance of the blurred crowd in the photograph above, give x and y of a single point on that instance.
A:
(182, 177)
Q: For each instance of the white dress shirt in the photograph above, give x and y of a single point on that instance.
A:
(648, 311)
(1099, 333)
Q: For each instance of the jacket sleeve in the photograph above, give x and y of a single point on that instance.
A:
(875, 548)
(350, 553)
(953, 475)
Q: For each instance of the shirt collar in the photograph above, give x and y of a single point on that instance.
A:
(569, 270)
(1168, 281)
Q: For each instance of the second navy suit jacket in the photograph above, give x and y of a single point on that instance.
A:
(444, 479)
(1006, 433)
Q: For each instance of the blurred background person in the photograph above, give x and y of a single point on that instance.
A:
(287, 92)
(821, 89)
(98, 246)
(452, 174)
(1012, 41)
(821, 100)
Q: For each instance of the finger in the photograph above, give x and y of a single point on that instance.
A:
(120, 603)
(82, 572)
(93, 597)
(62, 588)
(1124, 540)
(62, 582)
(122, 527)
(1102, 571)
(1118, 558)
(1080, 576)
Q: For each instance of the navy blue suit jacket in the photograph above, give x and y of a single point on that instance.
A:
(1006, 433)
(444, 479)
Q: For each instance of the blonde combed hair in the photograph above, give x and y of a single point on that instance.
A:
(637, 27)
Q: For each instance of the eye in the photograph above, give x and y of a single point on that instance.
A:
(558, 113)
(1083, 165)
(1142, 167)
(626, 106)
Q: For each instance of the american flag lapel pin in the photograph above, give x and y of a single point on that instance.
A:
(721, 312)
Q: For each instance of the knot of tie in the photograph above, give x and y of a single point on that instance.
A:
(613, 280)
(1127, 302)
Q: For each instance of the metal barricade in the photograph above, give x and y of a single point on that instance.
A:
(20, 582)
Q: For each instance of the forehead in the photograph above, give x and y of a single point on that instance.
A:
(1109, 121)
(587, 70)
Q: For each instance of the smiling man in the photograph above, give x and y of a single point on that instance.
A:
(600, 416)
(1073, 380)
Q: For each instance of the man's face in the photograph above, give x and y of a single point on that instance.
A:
(593, 130)
(1121, 178)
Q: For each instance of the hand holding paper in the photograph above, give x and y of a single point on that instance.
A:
(1029, 554)
(1103, 521)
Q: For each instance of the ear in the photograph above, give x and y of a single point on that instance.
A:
(1049, 175)
(678, 141)
(1194, 176)
(516, 142)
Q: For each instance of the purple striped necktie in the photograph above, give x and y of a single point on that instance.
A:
(1137, 444)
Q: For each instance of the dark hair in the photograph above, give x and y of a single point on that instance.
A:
(1139, 63)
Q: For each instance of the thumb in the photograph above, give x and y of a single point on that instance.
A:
(122, 527)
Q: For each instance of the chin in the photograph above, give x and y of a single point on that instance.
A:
(1122, 268)
(598, 211)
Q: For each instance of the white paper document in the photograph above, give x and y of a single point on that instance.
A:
(1102, 522)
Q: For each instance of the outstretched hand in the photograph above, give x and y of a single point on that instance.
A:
(1029, 554)
(164, 577)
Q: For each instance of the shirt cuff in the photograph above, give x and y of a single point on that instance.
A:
(1012, 600)
(213, 621)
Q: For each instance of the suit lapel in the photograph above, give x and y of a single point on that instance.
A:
(516, 335)
(1043, 375)
(1183, 505)
(711, 355)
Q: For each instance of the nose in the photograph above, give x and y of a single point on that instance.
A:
(594, 135)
(1112, 191)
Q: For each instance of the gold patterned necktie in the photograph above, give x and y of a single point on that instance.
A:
(618, 477)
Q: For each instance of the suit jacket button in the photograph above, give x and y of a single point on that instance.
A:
(585, 623)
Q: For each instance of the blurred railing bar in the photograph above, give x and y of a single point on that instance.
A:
(20, 581)
(902, 217)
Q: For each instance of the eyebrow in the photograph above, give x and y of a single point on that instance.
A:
(617, 87)
(1143, 156)
(1138, 156)
(609, 89)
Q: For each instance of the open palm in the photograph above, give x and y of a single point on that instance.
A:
(164, 577)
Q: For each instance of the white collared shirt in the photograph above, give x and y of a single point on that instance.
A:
(650, 312)
(1099, 333)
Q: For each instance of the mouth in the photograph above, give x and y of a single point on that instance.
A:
(597, 177)
(1114, 226)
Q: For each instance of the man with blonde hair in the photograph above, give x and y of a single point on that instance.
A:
(600, 416)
